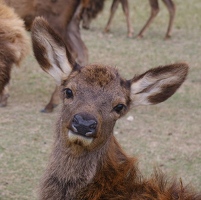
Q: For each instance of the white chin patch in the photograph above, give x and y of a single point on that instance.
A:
(78, 139)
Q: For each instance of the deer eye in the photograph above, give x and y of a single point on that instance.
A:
(68, 93)
(119, 108)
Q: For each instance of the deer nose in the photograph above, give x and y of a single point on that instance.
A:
(84, 124)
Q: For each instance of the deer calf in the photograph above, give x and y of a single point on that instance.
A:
(87, 163)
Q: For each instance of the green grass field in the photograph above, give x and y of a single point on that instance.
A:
(167, 135)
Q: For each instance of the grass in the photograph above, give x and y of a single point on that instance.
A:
(167, 135)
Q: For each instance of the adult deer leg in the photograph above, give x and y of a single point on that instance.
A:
(154, 11)
(54, 101)
(125, 8)
(4, 96)
(113, 9)
(171, 8)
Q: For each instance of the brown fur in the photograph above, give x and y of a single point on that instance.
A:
(87, 162)
(59, 13)
(25, 9)
(14, 44)
(98, 75)
(91, 12)
(64, 16)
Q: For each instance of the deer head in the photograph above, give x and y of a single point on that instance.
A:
(95, 96)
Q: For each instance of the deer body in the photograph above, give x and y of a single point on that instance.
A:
(87, 162)
(64, 16)
(14, 47)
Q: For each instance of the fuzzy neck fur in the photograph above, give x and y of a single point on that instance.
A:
(104, 173)
(70, 172)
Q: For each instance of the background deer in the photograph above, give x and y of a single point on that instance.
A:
(64, 16)
(87, 16)
(94, 7)
(87, 162)
(14, 46)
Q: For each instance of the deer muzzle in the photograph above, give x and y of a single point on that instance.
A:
(85, 125)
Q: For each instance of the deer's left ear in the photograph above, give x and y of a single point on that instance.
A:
(157, 84)
(50, 50)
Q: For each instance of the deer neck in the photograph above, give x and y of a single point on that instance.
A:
(79, 161)
(76, 171)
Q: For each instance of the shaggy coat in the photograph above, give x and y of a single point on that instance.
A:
(93, 8)
(14, 46)
(64, 16)
(87, 163)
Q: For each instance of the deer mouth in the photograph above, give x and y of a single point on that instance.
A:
(79, 139)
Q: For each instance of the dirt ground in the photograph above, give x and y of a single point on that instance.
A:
(167, 135)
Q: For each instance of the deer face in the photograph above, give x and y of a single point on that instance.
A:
(95, 96)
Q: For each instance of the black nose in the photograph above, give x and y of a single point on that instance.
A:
(84, 124)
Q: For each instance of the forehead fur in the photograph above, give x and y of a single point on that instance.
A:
(100, 75)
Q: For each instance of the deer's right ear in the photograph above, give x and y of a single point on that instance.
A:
(50, 50)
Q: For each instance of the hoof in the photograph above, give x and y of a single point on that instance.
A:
(167, 37)
(106, 30)
(46, 110)
(140, 36)
(49, 108)
(3, 105)
(85, 27)
(129, 35)
(3, 100)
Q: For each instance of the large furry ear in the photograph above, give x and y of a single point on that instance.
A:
(157, 84)
(50, 50)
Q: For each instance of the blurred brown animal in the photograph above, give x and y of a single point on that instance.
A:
(14, 46)
(87, 162)
(87, 16)
(64, 16)
(91, 11)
